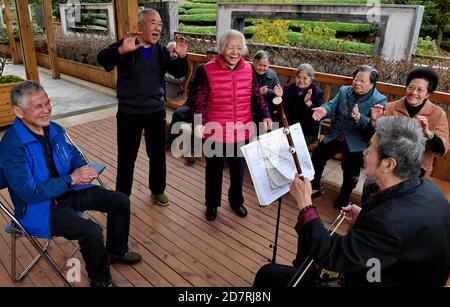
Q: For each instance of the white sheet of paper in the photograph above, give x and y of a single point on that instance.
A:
(272, 166)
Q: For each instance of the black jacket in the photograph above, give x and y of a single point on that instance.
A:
(140, 83)
(269, 79)
(296, 110)
(406, 227)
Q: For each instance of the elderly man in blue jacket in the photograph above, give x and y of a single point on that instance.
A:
(350, 130)
(49, 181)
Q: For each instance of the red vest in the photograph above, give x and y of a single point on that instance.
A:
(229, 101)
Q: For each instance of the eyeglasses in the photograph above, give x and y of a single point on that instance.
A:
(420, 90)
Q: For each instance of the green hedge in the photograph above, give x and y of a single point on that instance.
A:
(190, 5)
(199, 19)
(200, 11)
(4, 34)
(296, 38)
(338, 26)
(211, 30)
(204, 1)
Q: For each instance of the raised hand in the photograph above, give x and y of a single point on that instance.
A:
(376, 112)
(308, 96)
(129, 43)
(423, 121)
(278, 90)
(355, 113)
(319, 113)
(181, 46)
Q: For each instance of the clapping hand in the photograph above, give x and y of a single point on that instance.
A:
(376, 112)
(129, 43)
(278, 90)
(319, 113)
(181, 46)
(355, 113)
(307, 100)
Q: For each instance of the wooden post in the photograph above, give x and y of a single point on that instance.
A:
(26, 40)
(126, 12)
(51, 41)
(9, 26)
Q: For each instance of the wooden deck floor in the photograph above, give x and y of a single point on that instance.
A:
(179, 247)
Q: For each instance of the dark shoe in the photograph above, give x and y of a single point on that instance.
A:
(240, 211)
(211, 213)
(318, 193)
(339, 203)
(102, 284)
(127, 258)
(190, 160)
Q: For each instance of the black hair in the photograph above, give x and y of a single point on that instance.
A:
(424, 73)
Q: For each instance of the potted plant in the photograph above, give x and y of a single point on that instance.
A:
(7, 82)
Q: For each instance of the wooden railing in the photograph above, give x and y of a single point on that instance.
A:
(392, 91)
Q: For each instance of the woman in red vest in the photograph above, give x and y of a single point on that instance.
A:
(224, 98)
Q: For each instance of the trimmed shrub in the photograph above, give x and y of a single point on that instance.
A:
(332, 44)
(198, 19)
(200, 11)
(210, 30)
(190, 5)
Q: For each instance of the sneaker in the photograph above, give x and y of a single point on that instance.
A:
(102, 284)
(161, 199)
(127, 258)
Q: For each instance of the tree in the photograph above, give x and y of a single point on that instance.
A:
(442, 19)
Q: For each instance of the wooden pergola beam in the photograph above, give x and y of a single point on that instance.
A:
(125, 13)
(26, 40)
(10, 30)
(51, 40)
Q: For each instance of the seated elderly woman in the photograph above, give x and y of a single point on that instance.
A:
(225, 91)
(267, 79)
(401, 237)
(420, 84)
(299, 99)
(348, 132)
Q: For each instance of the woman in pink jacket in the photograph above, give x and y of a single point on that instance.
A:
(225, 96)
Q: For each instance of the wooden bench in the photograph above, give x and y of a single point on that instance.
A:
(441, 167)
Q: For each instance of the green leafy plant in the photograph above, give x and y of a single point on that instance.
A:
(426, 46)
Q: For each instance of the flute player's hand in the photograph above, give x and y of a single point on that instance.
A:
(301, 191)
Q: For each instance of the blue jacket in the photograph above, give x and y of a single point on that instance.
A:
(24, 166)
(341, 107)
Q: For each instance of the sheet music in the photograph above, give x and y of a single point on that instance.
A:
(272, 166)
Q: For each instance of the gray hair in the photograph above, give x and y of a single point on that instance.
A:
(374, 74)
(225, 37)
(308, 69)
(20, 93)
(143, 14)
(261, 54)
(402, 139)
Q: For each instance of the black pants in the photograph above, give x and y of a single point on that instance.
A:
(129, 134)
(214, 174)
(182, 114)
(66, 223)
(278, 276)
(351, 165)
